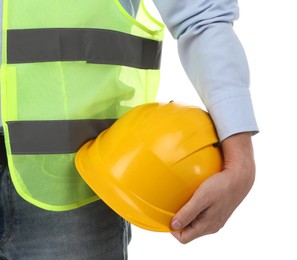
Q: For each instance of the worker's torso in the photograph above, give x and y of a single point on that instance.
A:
(69, 69)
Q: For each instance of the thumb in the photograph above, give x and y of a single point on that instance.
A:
(187, 213)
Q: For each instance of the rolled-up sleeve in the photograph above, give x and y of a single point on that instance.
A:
(213, 59)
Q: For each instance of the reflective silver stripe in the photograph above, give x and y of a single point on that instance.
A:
(53, 137)
(73, 44)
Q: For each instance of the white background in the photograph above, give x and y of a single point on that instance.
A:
(264, 226)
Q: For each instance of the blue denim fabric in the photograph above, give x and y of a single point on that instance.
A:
(27, 232)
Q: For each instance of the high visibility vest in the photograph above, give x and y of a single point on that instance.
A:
(70, 68)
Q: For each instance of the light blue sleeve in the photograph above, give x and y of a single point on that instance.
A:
(213, 59)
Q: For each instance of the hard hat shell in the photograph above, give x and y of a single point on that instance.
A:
(149, 163)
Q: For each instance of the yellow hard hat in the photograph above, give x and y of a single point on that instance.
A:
(148, 164)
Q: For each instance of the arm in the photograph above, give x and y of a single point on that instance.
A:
(215, 62)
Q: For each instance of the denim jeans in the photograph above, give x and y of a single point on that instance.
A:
(91, 232)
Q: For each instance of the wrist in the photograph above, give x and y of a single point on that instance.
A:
(239, 157)
(238, 146)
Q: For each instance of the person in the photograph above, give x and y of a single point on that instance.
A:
(214, 61)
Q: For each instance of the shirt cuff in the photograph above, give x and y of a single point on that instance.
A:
(233, 116)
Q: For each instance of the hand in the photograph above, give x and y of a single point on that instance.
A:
(218, 196)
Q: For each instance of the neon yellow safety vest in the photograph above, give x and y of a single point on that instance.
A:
(70, 68)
